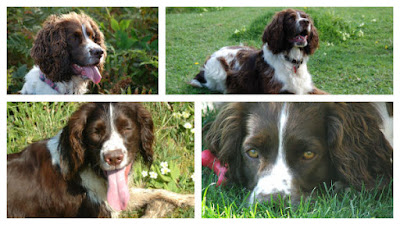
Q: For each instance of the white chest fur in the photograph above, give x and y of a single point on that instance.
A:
(294, 80)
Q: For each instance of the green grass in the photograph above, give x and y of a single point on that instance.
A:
(360, 64)
(230, 201)
(31, 122)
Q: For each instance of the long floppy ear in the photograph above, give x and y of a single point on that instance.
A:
(146, 133)
(50, 52)
(359, 150)
(274, 33)
(72, 152)
(313, 40)
(224, 139)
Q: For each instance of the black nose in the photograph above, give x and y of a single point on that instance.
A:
(304, 22)
(114, 158)
(96, 52)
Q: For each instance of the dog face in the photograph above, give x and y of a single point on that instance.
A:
(281, 149)
(108, 135)
(297, 27)
(285, 154)
(291, 28)
(83, 40)
(70, 44)
(113, 137)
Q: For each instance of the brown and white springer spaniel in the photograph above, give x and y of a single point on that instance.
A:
(280, 67)
(280, 149)
(68, 51)
(83, 171)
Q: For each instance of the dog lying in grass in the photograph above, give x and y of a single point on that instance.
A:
(278, 150)
(280, 67)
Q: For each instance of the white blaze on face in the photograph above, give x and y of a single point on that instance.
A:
(113, 143)
(90, 44)
(300, 18)
(117, 178)
(278, 178)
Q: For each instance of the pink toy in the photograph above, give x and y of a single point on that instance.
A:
(209, 160)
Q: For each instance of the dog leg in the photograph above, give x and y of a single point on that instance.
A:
(158, 209)
(317, 91)
(158, 202)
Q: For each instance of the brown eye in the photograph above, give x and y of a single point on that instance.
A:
(252, 153)
(127, 130)
(96, 135)
(308, 155)
(97, 131)
(89, 34)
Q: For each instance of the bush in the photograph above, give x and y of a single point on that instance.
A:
(331, 27)
(131, 36)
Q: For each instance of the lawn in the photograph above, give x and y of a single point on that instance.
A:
(230, 201)
(131, 37)
(174, 141)
(355, 54)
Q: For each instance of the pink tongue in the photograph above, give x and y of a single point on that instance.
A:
(299, 38)
(92, 73)
(118, 191)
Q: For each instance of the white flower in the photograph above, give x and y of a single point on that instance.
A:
(361, 25)
(237, 31)
(360, 33)
(165, 170)
(185, 115)
(176, 115)
(164, 164)
(373, 20)
(345, 36)
(324, 53)
(187, 126)
(153, 175)
(145, 173)
(192, 131)
(193, 177)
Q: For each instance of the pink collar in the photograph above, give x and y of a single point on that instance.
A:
(48, 81)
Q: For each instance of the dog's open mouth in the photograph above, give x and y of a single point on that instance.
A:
(88, 72)
(118, 190)
(299, 40)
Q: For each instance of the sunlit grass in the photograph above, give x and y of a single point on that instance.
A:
(31, 122)
(355, 54)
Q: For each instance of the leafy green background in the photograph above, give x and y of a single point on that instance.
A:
(131, 36)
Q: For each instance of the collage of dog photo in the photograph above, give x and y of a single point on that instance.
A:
(195, 112)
